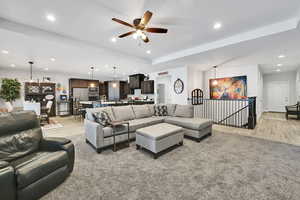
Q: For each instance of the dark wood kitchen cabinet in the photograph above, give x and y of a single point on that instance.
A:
(106, 88)
(124, 89)
(147, 87)
(101, 88)
(135, 81)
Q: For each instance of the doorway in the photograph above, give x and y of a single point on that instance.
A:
(277, 96)
(163, 88)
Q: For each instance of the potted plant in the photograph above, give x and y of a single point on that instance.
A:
(10, 91)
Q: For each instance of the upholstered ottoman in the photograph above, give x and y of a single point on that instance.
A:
(159, 137)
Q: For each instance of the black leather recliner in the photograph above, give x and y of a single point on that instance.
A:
(30, 165)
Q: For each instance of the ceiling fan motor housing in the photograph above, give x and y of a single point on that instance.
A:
(137, 21)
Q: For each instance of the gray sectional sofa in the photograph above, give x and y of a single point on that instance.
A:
(140, 116)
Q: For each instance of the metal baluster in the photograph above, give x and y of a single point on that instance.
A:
(241, 122)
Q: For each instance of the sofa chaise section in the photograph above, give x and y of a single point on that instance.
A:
(197, 128)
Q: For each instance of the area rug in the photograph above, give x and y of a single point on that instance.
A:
(222, 167)
(52, 125)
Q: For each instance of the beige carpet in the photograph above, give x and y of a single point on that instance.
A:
(222, 167)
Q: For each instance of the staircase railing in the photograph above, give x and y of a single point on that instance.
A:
(239, 113)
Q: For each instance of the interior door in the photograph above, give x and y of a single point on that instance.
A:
(277, 96)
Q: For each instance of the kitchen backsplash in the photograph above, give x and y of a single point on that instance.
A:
(138, 93)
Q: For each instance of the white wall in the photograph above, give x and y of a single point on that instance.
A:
(260, 93)
(174, 73)
(284, 76)
(298, 84)
(195, 79)
(24, 76)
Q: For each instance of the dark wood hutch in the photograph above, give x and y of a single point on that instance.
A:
(38, 91)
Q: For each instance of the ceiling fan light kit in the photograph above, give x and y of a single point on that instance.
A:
(140, 26)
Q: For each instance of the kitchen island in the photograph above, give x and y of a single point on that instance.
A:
(92, 104)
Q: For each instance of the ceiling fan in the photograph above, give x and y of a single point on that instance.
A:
(140, 26)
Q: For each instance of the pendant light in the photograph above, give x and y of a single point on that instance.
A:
(215, 82)
(114, 85)
(92, 73)
(31, 63)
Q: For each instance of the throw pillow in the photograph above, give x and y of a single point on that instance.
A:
(102, 118)
(160, 110)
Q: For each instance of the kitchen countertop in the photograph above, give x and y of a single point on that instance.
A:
(118, 102)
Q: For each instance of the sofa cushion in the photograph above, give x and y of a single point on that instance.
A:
(35, 166)
(123, 113)
(160, 110)
(141, 111)
(171, 109)
(143, 122)
(184, 111)
(159, 131)
(20, 144)
(190, 123)
(90, 111)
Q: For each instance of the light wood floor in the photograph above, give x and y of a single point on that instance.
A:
(71, 127)
(271, 126)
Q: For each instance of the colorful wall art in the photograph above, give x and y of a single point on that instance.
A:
(228, 88)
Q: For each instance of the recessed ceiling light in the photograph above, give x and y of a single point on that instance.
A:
(51, 17)
(278, 70)
(148, 52)
(114, 39)
(46, 69)
(52, 59)
(279, 65)
(217, 25)
(281, 56)
(12, 65)
(106, 66)
(4, 51)
(96, 69)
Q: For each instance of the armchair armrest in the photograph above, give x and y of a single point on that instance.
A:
(3, 164)
(7, 181)
(57, 144)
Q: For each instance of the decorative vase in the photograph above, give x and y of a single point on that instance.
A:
(9, 106)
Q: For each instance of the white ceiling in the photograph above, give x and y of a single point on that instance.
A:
(81, 35)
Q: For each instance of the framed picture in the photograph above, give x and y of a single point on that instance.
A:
(228, 88)
(33, 89)
(47, 89)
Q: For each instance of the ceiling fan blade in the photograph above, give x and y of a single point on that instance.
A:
(156, 30)
(126, 34)
(146, 18)
(146, 40)
(122, 22)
